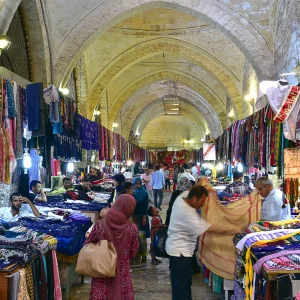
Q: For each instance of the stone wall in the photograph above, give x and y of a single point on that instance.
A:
(250, 88)
(287, 38)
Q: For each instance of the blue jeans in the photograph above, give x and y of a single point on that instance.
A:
(160, 195)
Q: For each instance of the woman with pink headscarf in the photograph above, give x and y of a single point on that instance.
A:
(119, 229)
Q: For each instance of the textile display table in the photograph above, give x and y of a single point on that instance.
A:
(28, 263)
(268, 257)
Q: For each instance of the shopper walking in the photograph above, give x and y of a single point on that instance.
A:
(158, 182)
(119, 229)
(147, 182)
(140, 218)
(167, 179)
(184, 229)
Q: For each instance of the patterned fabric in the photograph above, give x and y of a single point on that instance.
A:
(57, 287)
(258, 265)
(156, 220)
(23, 293)
(100, 288)
(29, 281)
(15, 282)
(10, 100)
(238, 187)
(217, 250)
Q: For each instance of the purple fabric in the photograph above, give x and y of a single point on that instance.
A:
(258, 265)
(263, 236)
(87, 131)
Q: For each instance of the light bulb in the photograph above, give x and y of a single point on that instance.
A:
(129, 163)
(4, 42)
(219, 166)
(198, 164)
(240, 167)
(26, 159)
(249, 98)
(70, 167)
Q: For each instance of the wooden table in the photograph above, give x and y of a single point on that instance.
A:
(281, 284)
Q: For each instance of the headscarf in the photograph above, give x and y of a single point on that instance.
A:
(115, 230)
(119, 178)
(139, 194)
(184, 184)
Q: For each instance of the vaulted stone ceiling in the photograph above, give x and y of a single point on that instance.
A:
(128, 55)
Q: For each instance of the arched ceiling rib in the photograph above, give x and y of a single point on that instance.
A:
(150, 93)
(81, 34)
(167, 131)
(157, 108)
(184, 79)
(122, 64)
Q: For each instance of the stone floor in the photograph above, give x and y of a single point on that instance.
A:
(152, 283)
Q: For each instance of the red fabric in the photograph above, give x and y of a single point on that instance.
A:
(124, 235)
(57, 288)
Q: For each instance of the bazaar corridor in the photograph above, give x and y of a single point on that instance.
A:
(149, 149)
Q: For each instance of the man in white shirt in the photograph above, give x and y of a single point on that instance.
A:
(184, 229)
(272, 207)
(167, 179)
(147, 181)
(16, 211)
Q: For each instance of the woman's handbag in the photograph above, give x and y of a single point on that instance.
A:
(97, 260)
(160, 242)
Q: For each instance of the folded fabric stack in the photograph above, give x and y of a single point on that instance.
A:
(269, 246)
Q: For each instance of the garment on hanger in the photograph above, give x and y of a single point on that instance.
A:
(284, 101)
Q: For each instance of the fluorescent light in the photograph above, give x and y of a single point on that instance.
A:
(172, 113)
(65, 91)
(171, 104)
(173, 109)
(115, 125)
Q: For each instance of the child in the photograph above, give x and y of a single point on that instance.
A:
(156, 223)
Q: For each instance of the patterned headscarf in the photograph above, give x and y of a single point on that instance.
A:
(184, 184)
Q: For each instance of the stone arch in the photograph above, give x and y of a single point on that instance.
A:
(163, 74)
(241, 32)
(145, 97)
(151, 48)
(156, 109)
(8, 9)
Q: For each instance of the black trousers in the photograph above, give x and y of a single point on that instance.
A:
(181, 277)
(167, 183)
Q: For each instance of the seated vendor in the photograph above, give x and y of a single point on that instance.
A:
(273, 208)
(36, 193)
(95, 176)
(238, 187)
(67, 185)
(15, 209)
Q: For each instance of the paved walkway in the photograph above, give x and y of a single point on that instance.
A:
(152, 283)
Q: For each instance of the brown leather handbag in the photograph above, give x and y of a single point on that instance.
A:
(97, 260)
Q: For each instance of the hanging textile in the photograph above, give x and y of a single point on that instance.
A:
(33, 100)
